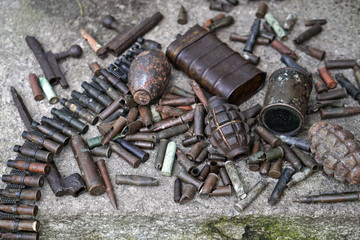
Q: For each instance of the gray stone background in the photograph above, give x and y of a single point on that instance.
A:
(150, 213)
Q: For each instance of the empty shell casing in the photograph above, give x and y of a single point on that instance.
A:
(52, 133)
(235, 179)
(97, 95)
(173, 131)
(80, 111)
(145, 145)
(280, 186)
(219, 6)
(190, 141)
(144, 156)
(199, 120)
(183, 160)
(305, 159)
(100, 163)
(315, 21)
(71, 120)
(344, 63)
(243, 38)
(20, 224)
(115, 105)
(333, 94)
(102, 151)
(290, 62)
(296, 142)
(339, 112)
(199, 93)
(188, 193)
(350, 88)
(107, 87)
(116, 127)
(330, 198)
(214, 156)
(177, 101)
(256, 147)
(169, 159)
(180, 92)
(128, 157)
(203, 173)
(170, 111)
(19, 235)
(35, 87)
(320, 85)
(117, 83)
(224, 177)
(170, 95)
(146, 116)
(299, 176)
(325, 75)
(208, 186)
(39, 155)
(177, 190)
(275, 25)
(33, 167)
(323, 104)
(20, 209)
(356, 70)
(88, 102)
(149, 137)
(261, 11)
(31, 181)
(201, 156)
(291, 157)
(105, 127)
(133, 114)
(51, 146)
(222, 191)
(48, 90)
(196, 149)
(94, 142)
(267, 136)
(187, 178)
(276, 168)
(22, 194)
(95, 68)
(264, 168)
(95, 46)
(182, 17)
(136, 180)
(251, 195)
(254, 33)
(252, 111)
(283, 49)
(309, 33)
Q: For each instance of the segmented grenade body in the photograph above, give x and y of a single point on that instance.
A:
(337, 150)
(227, 128)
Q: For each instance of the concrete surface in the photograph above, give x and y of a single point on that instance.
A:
(150, 213)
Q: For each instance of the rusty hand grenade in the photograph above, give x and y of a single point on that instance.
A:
(227, 128)
(337, 150)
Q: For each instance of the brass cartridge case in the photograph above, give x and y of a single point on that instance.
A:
(252, 111)
(313, 52)
(177, 190)
(299, 176)
(296, 142)
(275, 25)
(170, 95)
(39, 155)
(94, 182)
(305, 159)
(254, 33)
(320, 85)
(94, 142)
(195, 172)
(136, 180)
(161, 154)
(323, 104)
(88, 102)
(182, 17)
(124, 154)
(21, 194)
(223, 22)
(256, 147)
(214, 167)
(261, 11)
(343, 63)
(268, 136)
(116, 127)
(190, 141)
(190, 132)
(350, 88)
(275, 169)
(222, 191)
(309, 33)
(219, 163)
(94, 45)
(115, 105)
(201, 156)
(21, 209)
(219, 6)
(169, 159)
(51, 146)
(243, 38)
(180, 92)
(330, 198)
(105, 127)
(133, 114)
(325, 75)
(52, 133)
(20, 224)
(117, 83)
(107, 87)
(183, 160)
(187, 178)
(132, 128)
(177, 101)
(283, 49)
(170, 111)
(95, 68)
(315, 21)
(170, 122)
(224, 177)
(196, 149)
(146, 116)
(35, 87)
(333, 94)
(30, 181)
(235, 179)
(145, 145)
(291, 157)
(34, 167)
(252, 195)
(102, 151)
(280, 186)
(144, 156)
(188, 193)
(97, 95)
(203, 173)
(199, 93)
(208, 186)
(71, 120)
(215, 156)
(172, 131)
(19, 235)
(149, 137)
(339, 112)
(199, 116)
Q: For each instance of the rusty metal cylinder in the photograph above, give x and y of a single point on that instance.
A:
(343, 63)
(309, 33)
(209, 185)
(311, 22)
(70, 119)
(89, 172)
(22, 194)
(331, 95)
(20, 224)
(320, 85)
(243, 38)
(149, 76)
(199, 120)
(19, 236)
(107, 87)
(291, 157)
(127, 156)
(39, 155)
(350, 88)
(52, 133)
(51, 146)
(283, 49)
(328, 79)
(146, 116)
(35, 87)
(30, 181)
(215, 66)
(286, 101)
(187, 178)
(20, 209)
(190, 141)
(80, 111)
(177, 190)
(196, 149)
(117, 83)
(145, 145)
(34, 167)
(87, 101)
(102, 151)
(184, 161)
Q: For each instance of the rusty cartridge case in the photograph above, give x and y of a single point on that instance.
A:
(283, 49)
(224, 177)
(309, 33)
(107, 87)
(299, 176)
(199, 120)
(20, 224)
(339, 112)
(39, 155)
(256, 147)
(330, 198)
(21, 194)
(222, 191)
(48, 90)
(170, 95)
(319, 84)
(170, 111)
(305, 159)
(136, 180)
(350, 88)
(155, 115)
(252, 111)
(177, 101)
(87, 101)
(254, 33)
(187, 178)
(343, 63)
(33, 167)
(315, 21)
(356, 70)
(94, 45)
(52, 133)
(71, 120)
(289, 62)
(323, 104)
(325, 75)
(145, 145)
(264, 168)
(172, 131)
(286, 101)
(116, 127)
(94, 182)
(261, 11)
(199, 93)
(211, 20)
(190, 141)
(100, 163)
(196, 149)
(251, 195)
(95, 68)
(177, 190)
(275, 25)
(220, 23)
(161, 154)
(149, 137)
(80, 111)
(133, 114)
(169, 159)
(219, 6)
(19, 235)
(209, 185)
(201, 156)
(182, 17)
(170, 122)
(102, 151)
(280, 186)
(97, 95)
(20, 209)
(275, 169)
(146, 116)
(183, 160)
(195, 172)
(115, 105)
(144, 156)
(243, 38)
(296, 142)
(31, 181)
(331, 95)
(117, 83)
(235, 179)
(268, 136)
(35, 87)
(266, 155)
(197, 51)
(189, 132)
(290, 21)
(188, 193)
(214, 156)
(180, 92)
(291, 157)
(132, 128)
(149, 76)
(313, 52)
(124, 154)
(49, 145)
(204, 172)
(105, 127)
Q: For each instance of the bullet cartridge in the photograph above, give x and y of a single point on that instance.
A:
(325, 75)
(136, 180)
(276, 169)
(48, 90)
(34, 167)
(103, 128)
(343, 63)
(116, 127)
(218, 163)
(19, 235)
(71, 120)
(319, 84)
(95, 46)
(254, 33)
(223, 22)
(156, 117)
(324, 104)
(132, 128)
(233, 2)
(333, 94)
(350, 88)
(196, 149)
(30, 181)
(214, 156)
(289, 62)
(20, 224)
(291, 157)
(190, 141)
(309, 33)
(330, 198)
(235, 179)
(146, 116)
(315, 21)
(149, 137)
(219, 6)
(170, 95)
(199, 116)
(124, 154)
(268, 136)
(177, 101)
(52, 133)
(199, 93)
(190, 132)
(95, 68)
(222, 191)
(356, 70)
(290, 21)
(261, 11)
(208, 185)
(183, 160)
(251, 195)
(145, 145)
(35, 87)
(201, 156)
(20, 209)
(96, 94)
(280, 186)
(133, 114)
(275, 25)
(170, 122)
(107, 87)
(101, 151)
(283, 49)
(177, 190)
(139, 153)
(51, 146)
(21, 194)
(94, 182)
(299, 176)
(180, 92)
(39, 155)
(170, 111)
(204, 172)
(305, 159)
(100, 163)
(243, 38)
(252, 111)
(187, 178)
(256, 147)
(304, 145)
(313, 52)
(117, 83)
(88, 102)
(188, 193)
(169, 159)
(172, 131)
(115, 105)
(339, 112)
